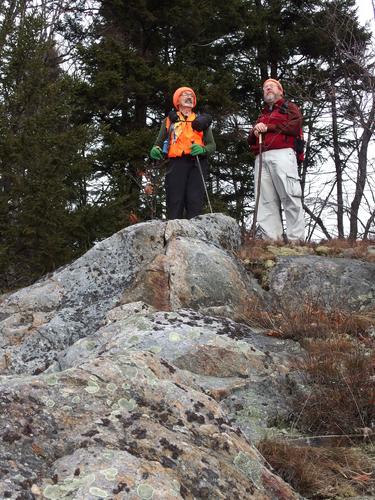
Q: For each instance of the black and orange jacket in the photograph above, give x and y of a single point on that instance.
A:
(283, 126)
(182, 135)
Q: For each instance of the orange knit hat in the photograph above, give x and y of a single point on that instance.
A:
(179, 91)
(277, 83)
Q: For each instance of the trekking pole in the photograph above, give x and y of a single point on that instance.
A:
(151, 190)
(204, 182)
(253, 227)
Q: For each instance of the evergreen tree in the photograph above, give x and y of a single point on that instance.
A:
(40, 155)
(142, 52)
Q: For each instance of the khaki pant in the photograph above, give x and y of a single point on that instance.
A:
(280, 186)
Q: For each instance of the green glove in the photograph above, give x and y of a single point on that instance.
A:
(156, 153)
(196, 150)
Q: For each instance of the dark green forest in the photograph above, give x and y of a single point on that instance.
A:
(85, 84)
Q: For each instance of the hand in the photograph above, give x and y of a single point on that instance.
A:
(196, 149)
(156, 153)
(260, 128)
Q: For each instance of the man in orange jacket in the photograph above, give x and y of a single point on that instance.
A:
(183, 137)
(280, 124)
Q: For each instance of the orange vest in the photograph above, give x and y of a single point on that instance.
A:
(182, 136)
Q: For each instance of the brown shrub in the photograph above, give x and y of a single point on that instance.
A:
(339, 387)
(257, 249)
(309, 321)
(320, 472)
(337, 394)
(354, 249)
(255, 314)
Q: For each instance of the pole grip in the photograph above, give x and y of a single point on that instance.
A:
(260, 138)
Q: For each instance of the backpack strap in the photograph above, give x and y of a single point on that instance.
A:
(284, 108)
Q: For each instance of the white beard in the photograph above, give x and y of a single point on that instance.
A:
(270, 99)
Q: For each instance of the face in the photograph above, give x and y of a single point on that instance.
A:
(186, 99)
(271, 92)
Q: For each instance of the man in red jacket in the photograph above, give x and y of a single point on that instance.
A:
(279, 123)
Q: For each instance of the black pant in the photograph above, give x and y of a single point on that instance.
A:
(184, 187)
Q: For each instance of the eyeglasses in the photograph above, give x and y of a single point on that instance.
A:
(187, 94)
(272, 85)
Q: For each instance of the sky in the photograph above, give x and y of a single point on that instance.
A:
(366, 12)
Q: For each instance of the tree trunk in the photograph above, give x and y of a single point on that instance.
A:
(338, 164)
(361, 174)
(368, 226)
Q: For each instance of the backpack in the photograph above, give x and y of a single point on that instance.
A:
(299, 141)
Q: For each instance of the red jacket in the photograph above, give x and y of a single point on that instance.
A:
(283, 121)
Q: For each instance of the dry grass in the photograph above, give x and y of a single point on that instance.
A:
(353, 249)
(255, 314)
(338, 393)
(256, 250)
(337, 369)
(309, 321)
(320, 472)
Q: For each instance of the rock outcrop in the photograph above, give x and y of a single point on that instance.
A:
(336, 283)
(168, 265)
(129, 373)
